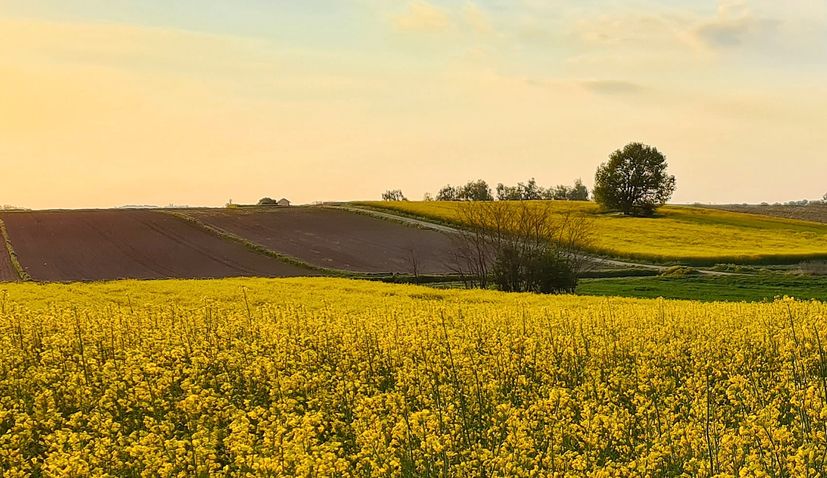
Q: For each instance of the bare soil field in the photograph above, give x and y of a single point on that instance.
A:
(337, 239)
(135, 244)
(810, 212)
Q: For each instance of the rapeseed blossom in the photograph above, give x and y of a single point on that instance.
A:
(338, 378)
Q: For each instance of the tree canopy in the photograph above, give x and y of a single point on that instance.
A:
(472, 191)
(531, 191)
(393, 195)
(634, 181)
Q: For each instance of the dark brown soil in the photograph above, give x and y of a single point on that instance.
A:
(337, 239)
(811, 212)
(139, 244)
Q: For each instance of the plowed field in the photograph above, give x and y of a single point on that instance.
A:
(140, 244)
(810, 212)
(337, 239)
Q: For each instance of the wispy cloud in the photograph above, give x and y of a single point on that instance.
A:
(613, 87)
(422, 16)
(734, 24)
(465, 21)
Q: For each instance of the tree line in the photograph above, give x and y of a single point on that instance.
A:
(634, 181)
(479, 190)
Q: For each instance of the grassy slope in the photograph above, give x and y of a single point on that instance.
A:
(680, 233)
(758, 287)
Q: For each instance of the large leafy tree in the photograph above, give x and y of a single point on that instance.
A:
(634, 181)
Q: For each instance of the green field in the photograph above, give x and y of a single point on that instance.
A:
(756, 287)
(682, 234)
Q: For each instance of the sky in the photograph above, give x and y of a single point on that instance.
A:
(106, 103)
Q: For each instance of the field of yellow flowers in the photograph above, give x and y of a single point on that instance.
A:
(331, 377)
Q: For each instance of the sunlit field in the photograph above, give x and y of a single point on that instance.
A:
(330, 377)
(677, 233)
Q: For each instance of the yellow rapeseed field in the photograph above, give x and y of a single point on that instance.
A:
(331, 377)
(679, 233)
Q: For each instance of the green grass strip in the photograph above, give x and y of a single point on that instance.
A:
(21, 272)
(431, 218)
(751, 287)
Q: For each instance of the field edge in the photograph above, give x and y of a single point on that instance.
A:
(22, 274)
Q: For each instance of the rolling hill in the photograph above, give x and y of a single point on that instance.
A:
(682, 234)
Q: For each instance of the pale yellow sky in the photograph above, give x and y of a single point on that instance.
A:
(105, 103)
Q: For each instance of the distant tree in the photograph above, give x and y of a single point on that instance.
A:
(579, 192)
(508, 193)
(393, 195)
(521, 192)
(267, 202)
(448, 193)
(472, 191)
(824, 198)
(476, 191)
(427, 197)
(559, 192)
(634, 181)
(530, 191)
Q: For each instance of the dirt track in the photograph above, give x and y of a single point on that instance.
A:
(337, 239)
(139, 244)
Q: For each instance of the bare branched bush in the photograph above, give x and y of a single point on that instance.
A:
(522, 246)
(412, 260)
